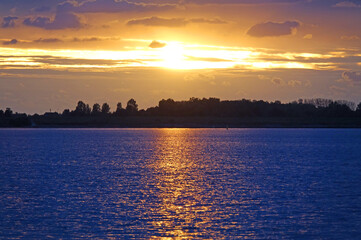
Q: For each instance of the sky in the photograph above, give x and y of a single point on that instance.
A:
(55, 53)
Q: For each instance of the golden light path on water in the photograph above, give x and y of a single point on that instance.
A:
(184, 209)
(188, 196)
(175, 55)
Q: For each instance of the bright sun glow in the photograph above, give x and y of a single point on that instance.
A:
(175, 55)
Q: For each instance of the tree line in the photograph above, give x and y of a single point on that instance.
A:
(205, 107)
(83, 109)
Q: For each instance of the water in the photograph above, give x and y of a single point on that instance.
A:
(180, 183)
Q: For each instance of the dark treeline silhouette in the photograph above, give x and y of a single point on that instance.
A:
(83, 109)
(204, 112)
(10, 119)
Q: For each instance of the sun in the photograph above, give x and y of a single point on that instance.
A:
(173, 56)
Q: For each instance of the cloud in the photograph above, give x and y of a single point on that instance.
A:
(8, 22)
(90, 39)
(156, 44)
(157, 21)
(47, 40)
(61, 21)
(75, 39)
(350, 38)
(73, 61)
(346, 4)
(245, 2)
(117, 6)
(351, 76)
(172, 22)
(205, 20)
(274, 29)
(11, 42)
(64, 18)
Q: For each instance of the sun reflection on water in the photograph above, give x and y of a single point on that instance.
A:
(183, 210)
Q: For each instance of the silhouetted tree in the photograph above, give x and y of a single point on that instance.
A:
(1, 113)
(119, 109)
(87, 109)
(132, 106)
(66, 112)
(80, 108)
(105, 108)
(119, 106)
(8, 112)
(96, 109)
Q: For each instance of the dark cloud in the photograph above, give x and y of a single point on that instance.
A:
(117, 6)
(11, 42)
(157, 21)
(171, 22)
(224, 1)
(156, 44)
(8, 22)
(47, 40)
(273, 29)
(75, 39)
(66, 17)
(37, 22)
(243, 1)
(62, 20)
(351, 76)
(90, 39)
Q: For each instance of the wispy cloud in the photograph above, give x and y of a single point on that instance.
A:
(47, 40)
(347, 4)
(172, 22)
(350, 38)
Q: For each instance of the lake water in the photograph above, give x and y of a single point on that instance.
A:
(180, 183)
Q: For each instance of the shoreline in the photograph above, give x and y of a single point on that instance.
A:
(182, 122)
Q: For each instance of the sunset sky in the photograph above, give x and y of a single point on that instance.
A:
(54, 53)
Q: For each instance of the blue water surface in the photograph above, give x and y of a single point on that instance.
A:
(180, 183)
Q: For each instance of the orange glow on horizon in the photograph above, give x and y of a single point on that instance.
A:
(175, 55)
